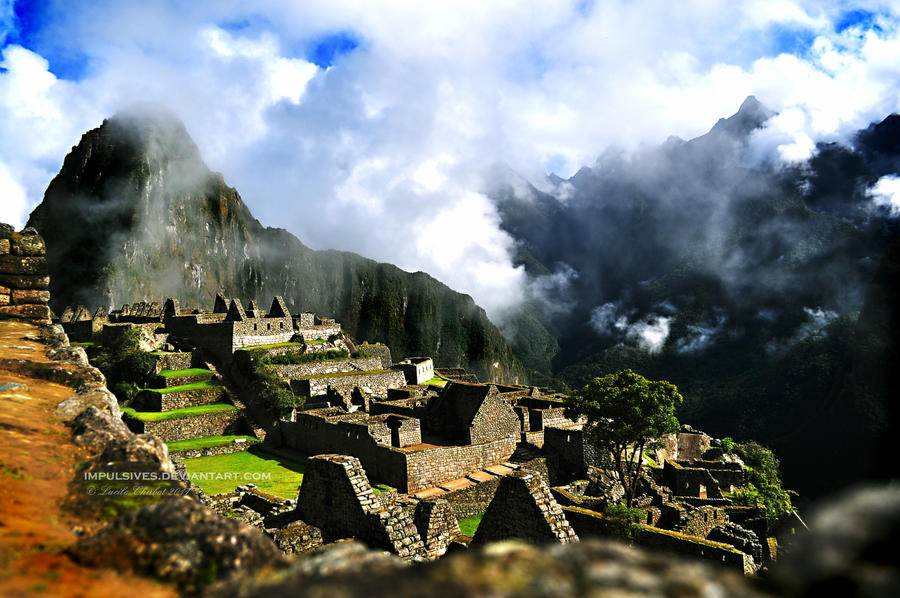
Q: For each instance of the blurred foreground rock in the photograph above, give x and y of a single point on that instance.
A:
(179, 541)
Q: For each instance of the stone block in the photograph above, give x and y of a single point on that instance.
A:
(4, 299)
(27, 311)
(18, 281)
(14, 264)
(22, 244)
(4, 246)
(30, 296)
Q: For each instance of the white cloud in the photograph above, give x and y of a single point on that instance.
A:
(14, 201)
(384, 153)
(886, 193)
(648, 333)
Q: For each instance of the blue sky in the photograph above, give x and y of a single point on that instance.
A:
(357, 111)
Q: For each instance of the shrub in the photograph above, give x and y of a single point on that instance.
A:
(621, 520)
(728, 444)
(125, 365)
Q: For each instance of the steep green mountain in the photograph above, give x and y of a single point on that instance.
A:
(737, 277)
(135, 214)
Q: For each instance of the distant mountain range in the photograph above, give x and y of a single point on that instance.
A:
(739, 279)
(135, 214)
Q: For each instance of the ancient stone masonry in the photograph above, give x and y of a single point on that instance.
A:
(195, 426)
(23, 276)
(318, 368)
(378, 381)
(524, 508)
(336, 497)
(416, 369)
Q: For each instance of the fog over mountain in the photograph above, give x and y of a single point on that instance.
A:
(739, 280)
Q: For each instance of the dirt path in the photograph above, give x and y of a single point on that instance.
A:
(37, 461)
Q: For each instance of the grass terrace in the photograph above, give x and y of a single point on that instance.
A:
(272, 346)
(342, 374)
(271, 473)
(157, 416)
(181, 373)
(201, 385)
(436, 380)
(208, 442)
(223, 473)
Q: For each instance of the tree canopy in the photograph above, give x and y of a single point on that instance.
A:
(625, 412)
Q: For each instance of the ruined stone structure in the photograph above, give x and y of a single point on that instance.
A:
(23, 276)
(416, 369)
(523, 508)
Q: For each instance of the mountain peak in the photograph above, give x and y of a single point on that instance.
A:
(750, 116)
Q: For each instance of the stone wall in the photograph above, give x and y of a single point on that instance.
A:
(336, 497)
(173, 361)
(574, 455)
(690, 481)
(377, 382)
(23, 276)
(302, 370)
(494, 420)
(592, 524)
(312, 333)
(184, 428)
(437, 526)
(151, 400)
(431, 466)
(524, 508)
(540, 419)
(701, 521)
(214, 451)
(380, 351)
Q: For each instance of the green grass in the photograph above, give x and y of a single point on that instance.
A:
(342, 374)
(206, 442)
(436, 380)
(156, 416)
(92, 344)
(201, 385)
(468, 525)
(183, 373)
(285, 474)
(272, 346)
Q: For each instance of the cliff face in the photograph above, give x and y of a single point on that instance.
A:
(135, 214)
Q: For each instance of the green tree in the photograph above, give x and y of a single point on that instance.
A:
(125, 365)
(625, 413)
(763, 482)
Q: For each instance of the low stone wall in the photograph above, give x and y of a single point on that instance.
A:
(431, 466)
(703, 520)
(313, 333)
(659, 539)
(222, 423)
(23, 276)
(213, 451)
(302, 370)
(173, 381)
(377, 382)
(151, 400)
(173, 361)
(689, 481)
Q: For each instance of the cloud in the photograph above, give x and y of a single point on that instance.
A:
(816, 320)
(885, 193)
(648, 333)
(700, 337)
(369, 126)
